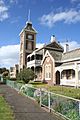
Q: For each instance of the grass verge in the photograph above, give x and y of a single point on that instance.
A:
(63, 90)
(5, 110)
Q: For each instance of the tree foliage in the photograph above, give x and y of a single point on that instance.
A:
(5, 72)
(26, 75)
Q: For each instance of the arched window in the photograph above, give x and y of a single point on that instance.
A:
(48, 71)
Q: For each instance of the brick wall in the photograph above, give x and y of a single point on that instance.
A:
(49, 61)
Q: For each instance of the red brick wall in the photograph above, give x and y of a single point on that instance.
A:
(48, 61)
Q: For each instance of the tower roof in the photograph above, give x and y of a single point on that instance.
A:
(29, 27)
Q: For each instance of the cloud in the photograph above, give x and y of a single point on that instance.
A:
(67, 16)
(73, 1)
(9, 55)
(3, 11)
(14, 1)
(14, 21)
(72, 45)
(39, 45)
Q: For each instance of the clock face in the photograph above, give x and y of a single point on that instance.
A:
(30, 37)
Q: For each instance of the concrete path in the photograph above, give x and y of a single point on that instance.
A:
(25, 108)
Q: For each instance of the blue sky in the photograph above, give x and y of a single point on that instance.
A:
(58, 17)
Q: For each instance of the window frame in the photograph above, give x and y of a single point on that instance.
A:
(48, 72)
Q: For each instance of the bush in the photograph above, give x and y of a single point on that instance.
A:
(26, 75)
(13, 79)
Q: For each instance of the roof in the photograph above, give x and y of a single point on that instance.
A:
(54, 49)
(71, 55)
(57, 55)
(29, 27)
(54, 45)
(68, 63)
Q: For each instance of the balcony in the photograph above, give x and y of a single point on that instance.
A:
(34, 60)
(34, 63)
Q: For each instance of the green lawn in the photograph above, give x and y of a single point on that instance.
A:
(5, 111)
(67, 91)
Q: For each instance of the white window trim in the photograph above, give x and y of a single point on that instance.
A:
(48, 78)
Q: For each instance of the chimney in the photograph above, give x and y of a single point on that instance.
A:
(53, 38)
(66, 48)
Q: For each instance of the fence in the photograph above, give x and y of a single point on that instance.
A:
(65, 106)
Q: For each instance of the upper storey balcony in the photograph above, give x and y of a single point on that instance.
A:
(34, 60)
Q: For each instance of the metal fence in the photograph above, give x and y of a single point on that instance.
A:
(65, 106)
(14, 84)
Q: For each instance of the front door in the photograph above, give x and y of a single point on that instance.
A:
(58, 78)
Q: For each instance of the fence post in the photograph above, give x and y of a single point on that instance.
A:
(79, 108)
(27, 90)
(40, 97)
(49, 106)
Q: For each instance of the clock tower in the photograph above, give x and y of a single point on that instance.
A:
(27, 43)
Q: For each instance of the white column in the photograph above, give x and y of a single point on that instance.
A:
(43, 72)
(49, 106)
(76, 76)
(40, 97)
(34, 72)
(79, 108)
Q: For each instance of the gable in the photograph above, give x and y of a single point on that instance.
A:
(55, 45)
(47, 56)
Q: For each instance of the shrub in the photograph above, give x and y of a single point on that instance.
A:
(26, 75)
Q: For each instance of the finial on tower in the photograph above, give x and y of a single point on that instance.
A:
(29, 16)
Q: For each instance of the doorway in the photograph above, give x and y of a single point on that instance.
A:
(57, 78)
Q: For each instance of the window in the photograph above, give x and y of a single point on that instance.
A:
(73, 74)
(28, 59)
(21, 46)
(32, 45)
(68, 74)
(32, 57)
(48, 72)
(11, 69)
(29, 46)
(38, 57)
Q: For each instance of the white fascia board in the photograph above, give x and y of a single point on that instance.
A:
(69, 60)
(47, 52)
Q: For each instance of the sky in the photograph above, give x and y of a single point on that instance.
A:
(49, 17)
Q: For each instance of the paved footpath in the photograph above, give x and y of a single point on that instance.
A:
(25, 108)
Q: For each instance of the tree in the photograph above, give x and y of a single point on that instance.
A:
(5, 72)
(26, 75)
(5, 75)
(2, 70)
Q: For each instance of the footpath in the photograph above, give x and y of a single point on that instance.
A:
(23, 107)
